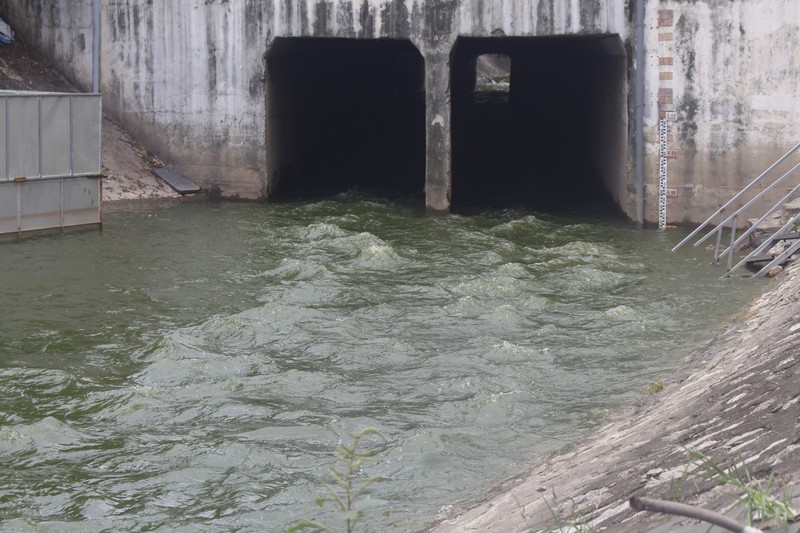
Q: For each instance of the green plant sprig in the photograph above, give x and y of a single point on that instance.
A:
(348, 491)
(575, 524)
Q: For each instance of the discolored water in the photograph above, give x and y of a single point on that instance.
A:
(192, 367)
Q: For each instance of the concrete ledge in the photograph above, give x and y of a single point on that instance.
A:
(20, 235)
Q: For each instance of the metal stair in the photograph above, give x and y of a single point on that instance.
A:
(787, 233)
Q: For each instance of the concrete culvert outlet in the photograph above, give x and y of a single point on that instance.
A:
(551, 133)
(343, 114)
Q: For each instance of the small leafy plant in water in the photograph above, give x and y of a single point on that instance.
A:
(349, 490)
(760, 505)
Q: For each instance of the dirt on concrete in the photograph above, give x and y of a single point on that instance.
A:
(737, 401)
(126, 164)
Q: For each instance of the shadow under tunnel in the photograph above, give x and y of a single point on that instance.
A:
(553, 137)
(343, 114)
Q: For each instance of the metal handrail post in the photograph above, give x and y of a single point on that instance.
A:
(71, 139)
(718, 229)
(39, 121)
(735, 198)
(8, 136)
(733, 239)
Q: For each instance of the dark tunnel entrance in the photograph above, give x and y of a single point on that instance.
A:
(343, 114)
(540, 121)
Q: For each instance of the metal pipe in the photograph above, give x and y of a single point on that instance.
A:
(8, 136)
(96, 46)
(39, 113)
(719, 240)
(639, 111)
(732, 246)
(71, 140)
(681, 509)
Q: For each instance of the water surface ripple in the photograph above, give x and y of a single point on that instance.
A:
(192, 367)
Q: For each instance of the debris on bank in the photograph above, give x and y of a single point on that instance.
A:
(179, 183)
(6, 33)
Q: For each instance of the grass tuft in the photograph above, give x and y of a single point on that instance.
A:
(655, 387)
(760, 505)
(572, 524)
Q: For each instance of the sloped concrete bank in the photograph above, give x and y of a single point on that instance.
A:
(738, 398)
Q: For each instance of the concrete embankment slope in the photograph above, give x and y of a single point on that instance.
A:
(738, 398)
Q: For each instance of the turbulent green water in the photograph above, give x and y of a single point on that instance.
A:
(192, 367)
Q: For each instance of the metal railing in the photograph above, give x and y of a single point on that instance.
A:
(766, 245)
(731, 219)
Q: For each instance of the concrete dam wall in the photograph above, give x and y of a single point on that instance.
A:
(261, 98)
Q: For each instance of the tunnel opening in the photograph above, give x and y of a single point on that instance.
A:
(555, 138)
(345, 114)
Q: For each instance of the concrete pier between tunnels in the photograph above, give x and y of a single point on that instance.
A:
(344, 113)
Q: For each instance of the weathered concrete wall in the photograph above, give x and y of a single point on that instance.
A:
(61, 29)
(189, 78)
(731, 71)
